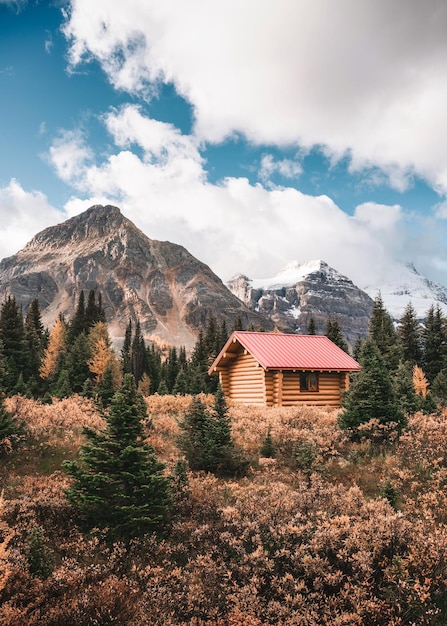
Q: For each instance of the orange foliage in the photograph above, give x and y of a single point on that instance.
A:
(420, 383)
(56, 345)
(287, 545)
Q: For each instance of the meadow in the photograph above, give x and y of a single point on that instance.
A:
(328, 531)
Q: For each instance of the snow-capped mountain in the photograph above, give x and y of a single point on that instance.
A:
(304, 290)
(314, 289)
(404, 284)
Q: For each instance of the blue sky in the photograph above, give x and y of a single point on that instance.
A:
(252, 134)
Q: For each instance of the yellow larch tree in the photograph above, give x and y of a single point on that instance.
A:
(103, 356)
(420, 383)
(56, 347)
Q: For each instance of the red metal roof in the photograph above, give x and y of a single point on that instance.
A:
(281, 351)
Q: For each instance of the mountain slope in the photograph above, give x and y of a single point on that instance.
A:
(161, 283)
(404, 284)
(301, 291)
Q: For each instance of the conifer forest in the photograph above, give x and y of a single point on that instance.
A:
(132, 492)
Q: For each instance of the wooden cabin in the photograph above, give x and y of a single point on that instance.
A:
(275, 369)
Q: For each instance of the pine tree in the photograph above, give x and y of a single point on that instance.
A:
(434, 343)
(76, 362)
(311, 328)
(119, 485)
(93, 311)
(138, 354)
(34, 340)
(371, 396)
(61, 387)
(404, 390)
(409, 335)
(173, 368)
(381, 330)
(12, 336)
(153, 368)
(77, 324)
(334, 333)
(357, 350)
(126, 358)
(439, 387)
(181, 384)
(206, 439)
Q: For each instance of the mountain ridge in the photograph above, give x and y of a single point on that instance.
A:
(171, 292)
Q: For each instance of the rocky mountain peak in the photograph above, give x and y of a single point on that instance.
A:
(159, 283)
(304, 290)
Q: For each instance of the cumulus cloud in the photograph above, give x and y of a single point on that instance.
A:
(232, 226)
(22, 215)
(70, 156)
(360, 78)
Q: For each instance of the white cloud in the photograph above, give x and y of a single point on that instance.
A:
(233, 226)
(70, 156)
(365, 77)
(285, 167)
(22, 215)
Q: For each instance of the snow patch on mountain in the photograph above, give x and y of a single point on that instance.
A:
(404, 284)
(293, 273)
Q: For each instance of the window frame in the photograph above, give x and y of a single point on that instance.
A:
(309, 382)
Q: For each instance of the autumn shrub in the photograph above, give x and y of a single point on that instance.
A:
(357, 535)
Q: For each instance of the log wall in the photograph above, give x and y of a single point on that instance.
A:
(244, 381)
(328, 393)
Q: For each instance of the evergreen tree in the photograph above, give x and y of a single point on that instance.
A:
(434, 343)
(222, 335)
(76, 363)
(105, 389)
(94, 313)
(334, 333)
(172, 369)
(77, 324)
(409, 335)
(206, 439)
(439, 387)
(404, 389)
(119, 484)
(371, 396)
(181, 384)
(162, 388)
(12, 336)
(153, 368)
(126, 358)
(381, 330)
(357, 350)
(238, 323)
(311, 328)
(20, 389)
(61, 387)
(35, 340)
(138, 354)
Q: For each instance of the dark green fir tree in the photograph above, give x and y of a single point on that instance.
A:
(382, 331)
(334, 333)
(311, 328)
(119, 486)
(409, 336)
(371, 396)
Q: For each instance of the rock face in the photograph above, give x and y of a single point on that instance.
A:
(301, 291)
(170, 291)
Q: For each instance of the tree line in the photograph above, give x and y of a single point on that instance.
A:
(76, 356)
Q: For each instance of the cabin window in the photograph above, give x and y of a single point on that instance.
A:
(308, 381)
